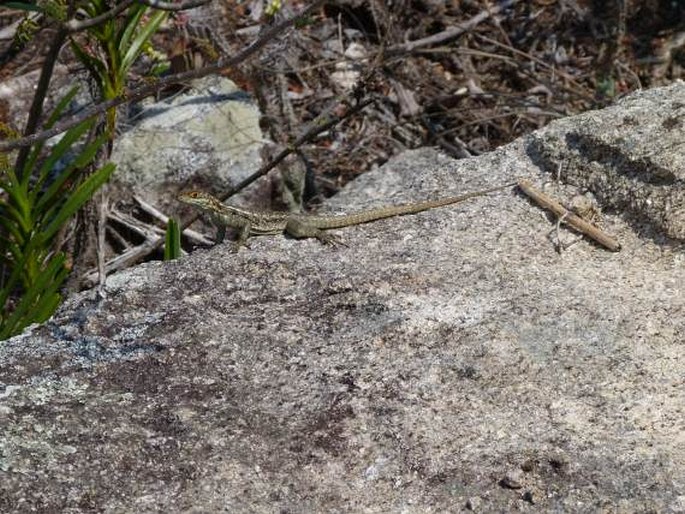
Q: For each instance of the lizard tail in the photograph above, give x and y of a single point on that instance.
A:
(331, 222)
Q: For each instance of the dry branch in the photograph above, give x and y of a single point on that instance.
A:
(150, 89)
(451, 33)
(568, 217)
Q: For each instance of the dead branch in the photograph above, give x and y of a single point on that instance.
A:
(36, 109)
(566, 216)
(77, 25)
(319, 125)
(451, 33)
(168, 6)
(151, 89)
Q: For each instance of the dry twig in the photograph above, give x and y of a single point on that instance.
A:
(449, 34)
(150, 89)
(153, 242)
(568, 217)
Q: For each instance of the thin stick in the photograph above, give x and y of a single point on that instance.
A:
(321, 124)
(100, 248)
(141, 92)
(575, 221)
(449, 34)
(77, 25)
(194, 236)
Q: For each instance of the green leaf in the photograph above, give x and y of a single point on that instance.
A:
(52, 119)
(49, 297)
(131, 53)
(50, 196)
(172, 246)
(12, 252)
(38, 299)
(135, 14)
(58, 151)
(96, 68)
(81, 195)
(160, 68)
(10, 181)
(11, 282)
(15, 223)
(45, 280)
(23, 6)
(60, 107)
(18, 209)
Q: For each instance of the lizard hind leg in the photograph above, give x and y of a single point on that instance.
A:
(329, 239)
(300, 230)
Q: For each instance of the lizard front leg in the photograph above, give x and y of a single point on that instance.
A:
(220, 234)
(243, 235)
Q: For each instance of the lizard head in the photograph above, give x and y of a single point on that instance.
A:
(199, 199)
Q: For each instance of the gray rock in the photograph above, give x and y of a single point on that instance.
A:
(209, 134)
(410, 371)
(629, 155)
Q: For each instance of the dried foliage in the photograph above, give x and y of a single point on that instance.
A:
(465, 75)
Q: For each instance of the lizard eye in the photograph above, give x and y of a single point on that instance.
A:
(193, 194)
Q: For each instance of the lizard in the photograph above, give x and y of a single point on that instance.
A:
(251, 222)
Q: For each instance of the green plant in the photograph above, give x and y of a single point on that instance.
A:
(172, 243)
(37, 203)
(44, 189)
(108, 50)
(36, 199)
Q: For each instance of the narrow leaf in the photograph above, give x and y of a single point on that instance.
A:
(60, 150)
(172, 246)
(12, 281)
(142, 36)
(130, 25)
(48, 197)
(23, 6)
(52, 119)
(18, 209)
(80, 196)
(60, 107)
(28, 310)
(96, 68)
(14, 224)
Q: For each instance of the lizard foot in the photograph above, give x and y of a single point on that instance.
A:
(329, 239)
(237, 245)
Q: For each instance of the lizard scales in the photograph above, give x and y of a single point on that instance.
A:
(251, 222)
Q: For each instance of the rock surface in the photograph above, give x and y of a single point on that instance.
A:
(209, 134)
(443, 362)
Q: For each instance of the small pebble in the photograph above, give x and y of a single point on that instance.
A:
(512, 480)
